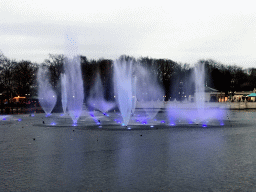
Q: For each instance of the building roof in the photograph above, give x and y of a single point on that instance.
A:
(209, 89)
(252, 95)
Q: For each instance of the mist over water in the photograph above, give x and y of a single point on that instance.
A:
(148, 91)
(46, 94)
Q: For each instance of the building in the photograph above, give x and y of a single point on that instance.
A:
(213, 95)
(240, 96)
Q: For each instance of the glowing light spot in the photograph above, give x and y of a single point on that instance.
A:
(74, 124)
(129, 128)
(152, 126)
(19, 119)
(32, 115)
(172, 124)
(204, 125)
(100, 126)
(61, 114)
(221, 124)
(53, 123)
(162, 121)
(123, 124)
(98, 123)
(137, 120)
(4, 119)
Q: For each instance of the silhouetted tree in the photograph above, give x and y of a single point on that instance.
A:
(23, 77)
(6, 76)
(55, 63)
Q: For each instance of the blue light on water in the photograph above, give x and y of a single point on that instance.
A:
(172, 124)
(152, 126)
(129, 128)
(137, 120)
(118, 121)
(98, 123)
(204, 125)
(162, 121)
(74, 124)
(123, 124)
(61, 114)
(32, 115)
(100, 126)
(4, 119)
(190, 122)
(92, 115)
(144, 123)
(221, 124)
(53, 123)
(19, 119)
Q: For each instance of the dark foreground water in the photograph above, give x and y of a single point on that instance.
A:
(219, 158)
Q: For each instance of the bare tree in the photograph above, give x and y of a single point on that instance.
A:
(6, 75)
(23, 77)
(55, 63)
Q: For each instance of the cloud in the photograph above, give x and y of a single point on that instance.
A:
(184, 31)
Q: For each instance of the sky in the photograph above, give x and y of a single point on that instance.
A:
(183, 31)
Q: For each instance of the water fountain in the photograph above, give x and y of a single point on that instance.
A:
(64, 92)
(198, 112)
(134, 87)
(149, 92)
(123, 75)
(74, 86)
(96, 98)
(46, 94)
(71, 81)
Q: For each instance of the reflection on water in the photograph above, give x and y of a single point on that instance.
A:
(175, 159)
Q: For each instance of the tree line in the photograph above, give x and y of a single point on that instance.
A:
(19, 78)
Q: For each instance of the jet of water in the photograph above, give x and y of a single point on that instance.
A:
(46, 94)
(123, 88)
(96, 98)
(74, 86)
(199, 111)
(64, 92)
(199, 75)
(148, 91)
(74, 81)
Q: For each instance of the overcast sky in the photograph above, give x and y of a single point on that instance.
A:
(183, 31)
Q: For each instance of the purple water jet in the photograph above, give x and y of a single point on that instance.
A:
(123, 88)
